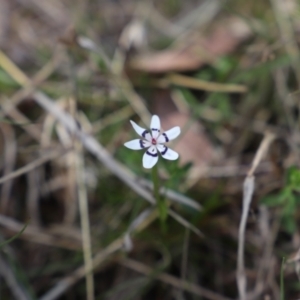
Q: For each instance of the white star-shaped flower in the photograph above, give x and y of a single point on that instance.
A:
(154, 141)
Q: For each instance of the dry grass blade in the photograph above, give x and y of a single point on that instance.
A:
(262, 150)
(185, 223)
(70, 280)
(198, 17)
(144, 220)
(29, 167)
(9, 106)
(247, 197)
(10, 152)
(139, 224)
(289, 40)
(174, 196)
(123, 114)
(173, 281)
(9, 109)
(32, 197)
(267, 263)
(141, 221)
(6, 271)
(195, 83)
(23, 80)
(248, 190)
(85, 225)
(13, 70)
(120, 80)
(36, 235)
(91, 145)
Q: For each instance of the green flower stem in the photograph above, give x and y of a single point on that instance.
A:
(161, 205)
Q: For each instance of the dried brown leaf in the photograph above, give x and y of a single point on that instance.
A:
(195, 51)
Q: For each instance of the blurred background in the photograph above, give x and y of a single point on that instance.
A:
(72, 75)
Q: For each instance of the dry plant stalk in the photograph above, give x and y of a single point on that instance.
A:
(195, 83)
(85, 224)
(248, 190)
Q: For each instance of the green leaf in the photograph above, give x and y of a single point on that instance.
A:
(281, 198)
(293, 177)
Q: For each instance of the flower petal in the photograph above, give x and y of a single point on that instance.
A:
(167, 153)
(169, 135)
(150, 158)
(137, 144)
(155, 126)
(141, 131)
